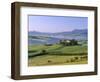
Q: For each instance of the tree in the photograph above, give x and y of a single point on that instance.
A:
(74, 42)
(43, 51)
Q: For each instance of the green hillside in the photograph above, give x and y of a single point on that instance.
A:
(56, 54)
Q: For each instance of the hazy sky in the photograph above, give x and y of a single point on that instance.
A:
(56, 23)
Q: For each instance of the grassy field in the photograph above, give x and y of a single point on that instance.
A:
(57, 54)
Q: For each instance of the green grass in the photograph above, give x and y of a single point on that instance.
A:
(41, 47)
(56, 60)
(36, 47)
(56, 54)
(74, 49)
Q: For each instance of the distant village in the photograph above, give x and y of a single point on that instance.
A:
(65, 42)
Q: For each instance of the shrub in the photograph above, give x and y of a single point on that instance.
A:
(49, 61)
(76, 58)
(43, 51)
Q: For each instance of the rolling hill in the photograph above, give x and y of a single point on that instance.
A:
(43, 37)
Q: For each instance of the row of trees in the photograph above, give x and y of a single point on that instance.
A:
(68, 42)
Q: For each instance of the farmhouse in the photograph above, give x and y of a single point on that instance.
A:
(68, 42)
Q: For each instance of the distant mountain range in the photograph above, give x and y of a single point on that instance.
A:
(42, 37)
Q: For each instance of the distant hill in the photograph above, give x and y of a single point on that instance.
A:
(72, 34)
(42, 37)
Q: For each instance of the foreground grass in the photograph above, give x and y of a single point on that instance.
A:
(57, 55)
(56, 60)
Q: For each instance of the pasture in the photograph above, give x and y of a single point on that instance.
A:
(57, 54)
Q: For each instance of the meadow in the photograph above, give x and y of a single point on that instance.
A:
(57, 54)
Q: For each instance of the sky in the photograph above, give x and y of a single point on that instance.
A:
(54, 24)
